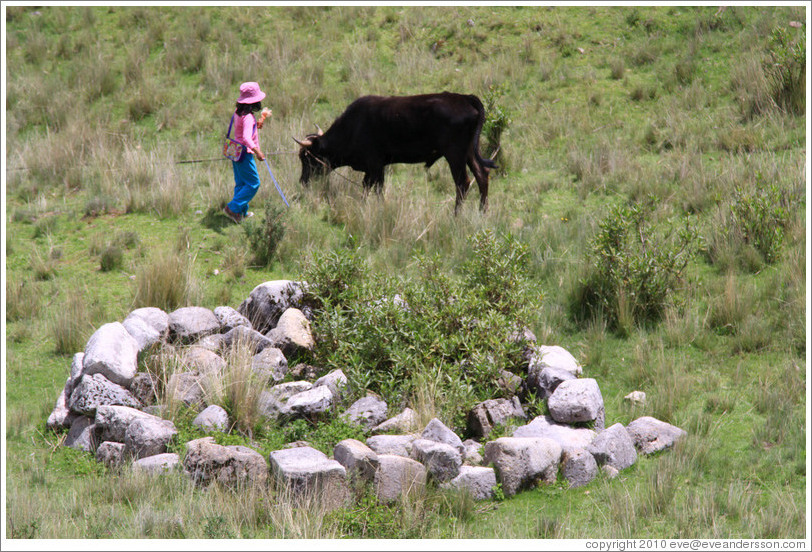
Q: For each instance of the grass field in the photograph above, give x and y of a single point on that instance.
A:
(652, 190)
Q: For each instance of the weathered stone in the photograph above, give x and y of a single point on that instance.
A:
(397, 445)
(310, 403)
(112, 421)
(292, 333)
(404, 422)
(61, 416)
(479, 482)
(186, 387)
(148, 436)
(206, 461)
(442, 461)
(614, 446)
(156, 318)
(522, 461)
(635, 398)
(112, 352)
(578, 466)
(397, 476)
(566, 436)
(651, 435)
(335, 380)
(247, 338)
(213, 418)
(437, 431)
(144, 387)
(213, 343)
(491, 413)
(545, 381)
(189, 324)
(366, 412)
(609, 472)
(110, 454)
(553, 356)
(472, 455)
(509, 382)
(359, 460)
(96, 390)
(202, 361)
(308, 473)
(266, 303)
(82, 434)
(145, 335)
(305, 371)
(157, 464)
(577, 400)
(272, 402)
(229, 319)
(270, 364)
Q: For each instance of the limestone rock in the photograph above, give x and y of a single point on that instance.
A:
(213, 418)
(189, 324)
(61, 416)
(614, 447)
(156, 318)
(437, 431)
(522, 461)
(144, 387)
(229, 319)
(404, 422)
(491, 413)
(246, 337)
(233, 466)
(112, 352)
(336, 381)
(553, 356)
(307, 473)
(472, 455)
(292, 333)
(96, 390)
(442, 461)
(578, 466)
(82, 434)
(357, 458)
(478, 481)
(148, 436)
(566, 436)
(397, 445)
(545, 381)
(202, 361)
(270, 364)
(635, 398)
(186, 387)
(366, 412)
(145, 335)
(652, 435)
(157, 464)
(112, 421)
(266, 302)
(397, 476)
(577, 400)
(310, 403)
(110, 454)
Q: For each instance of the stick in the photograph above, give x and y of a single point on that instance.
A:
(275, 183)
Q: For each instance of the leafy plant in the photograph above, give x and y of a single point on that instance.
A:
(786, 69)
(266, 236)
(497, 118)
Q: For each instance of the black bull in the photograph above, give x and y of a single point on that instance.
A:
(375, 131)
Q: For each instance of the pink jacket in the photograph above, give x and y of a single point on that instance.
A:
(245, 131)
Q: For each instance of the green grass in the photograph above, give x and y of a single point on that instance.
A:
(671, 107)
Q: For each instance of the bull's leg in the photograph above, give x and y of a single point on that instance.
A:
(481, 175)
(373, 178)
(460, 181)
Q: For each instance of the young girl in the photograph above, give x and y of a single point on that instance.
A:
(246, 177)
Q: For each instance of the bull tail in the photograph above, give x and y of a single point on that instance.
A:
(477, 103)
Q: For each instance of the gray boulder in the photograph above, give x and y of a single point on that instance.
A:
(61, 416)
(442, 461)
(310, 403)
(292, 333)
(229, 319)
(578, 466)
(213, 343)
(651, 435)
(635, 398)
(405, 422)
(148, 436)
(144, 387)
(158, 464)
(543, 356)
(398, 476)
(266, 303)
(437, 431)
(577, 400)
(397, 445)
(522, 461)
(82, 434)
(358, 459)
(186, 387)
(213, 418)
(94, 391)
(270, 365)
(336, 381)
(232, 466)
(366, 412)
(509, 382)
(545, 381)
(479, 482)
(614, 447)
(248, 338)
(156, 318)
(308, 473)
(491, 413)
(272, 402)
(472, 455)
(112, 421)
(145, 335)
(189, 324)
(566, 436)
(202, 361)
(112, 352)
(110, 454)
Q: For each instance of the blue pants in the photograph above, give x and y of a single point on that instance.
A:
(246, 183)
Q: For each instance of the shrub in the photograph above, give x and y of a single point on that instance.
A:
(635, 271)
(786, 69)
(165, 281)
(497, 118)
(111, 258)
(266, 236)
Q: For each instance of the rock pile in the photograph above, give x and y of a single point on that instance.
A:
(108, 408)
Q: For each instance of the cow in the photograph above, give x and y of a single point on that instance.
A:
(375, 131)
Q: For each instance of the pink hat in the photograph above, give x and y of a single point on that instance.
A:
(250, 93)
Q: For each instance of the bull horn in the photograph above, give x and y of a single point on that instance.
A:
(303, 143)
(321, 132)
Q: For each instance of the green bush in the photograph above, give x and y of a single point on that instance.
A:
(265, 236)
(786, 69)
(437, 335)
(635, 270)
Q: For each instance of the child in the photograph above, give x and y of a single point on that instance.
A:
(246, 177)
